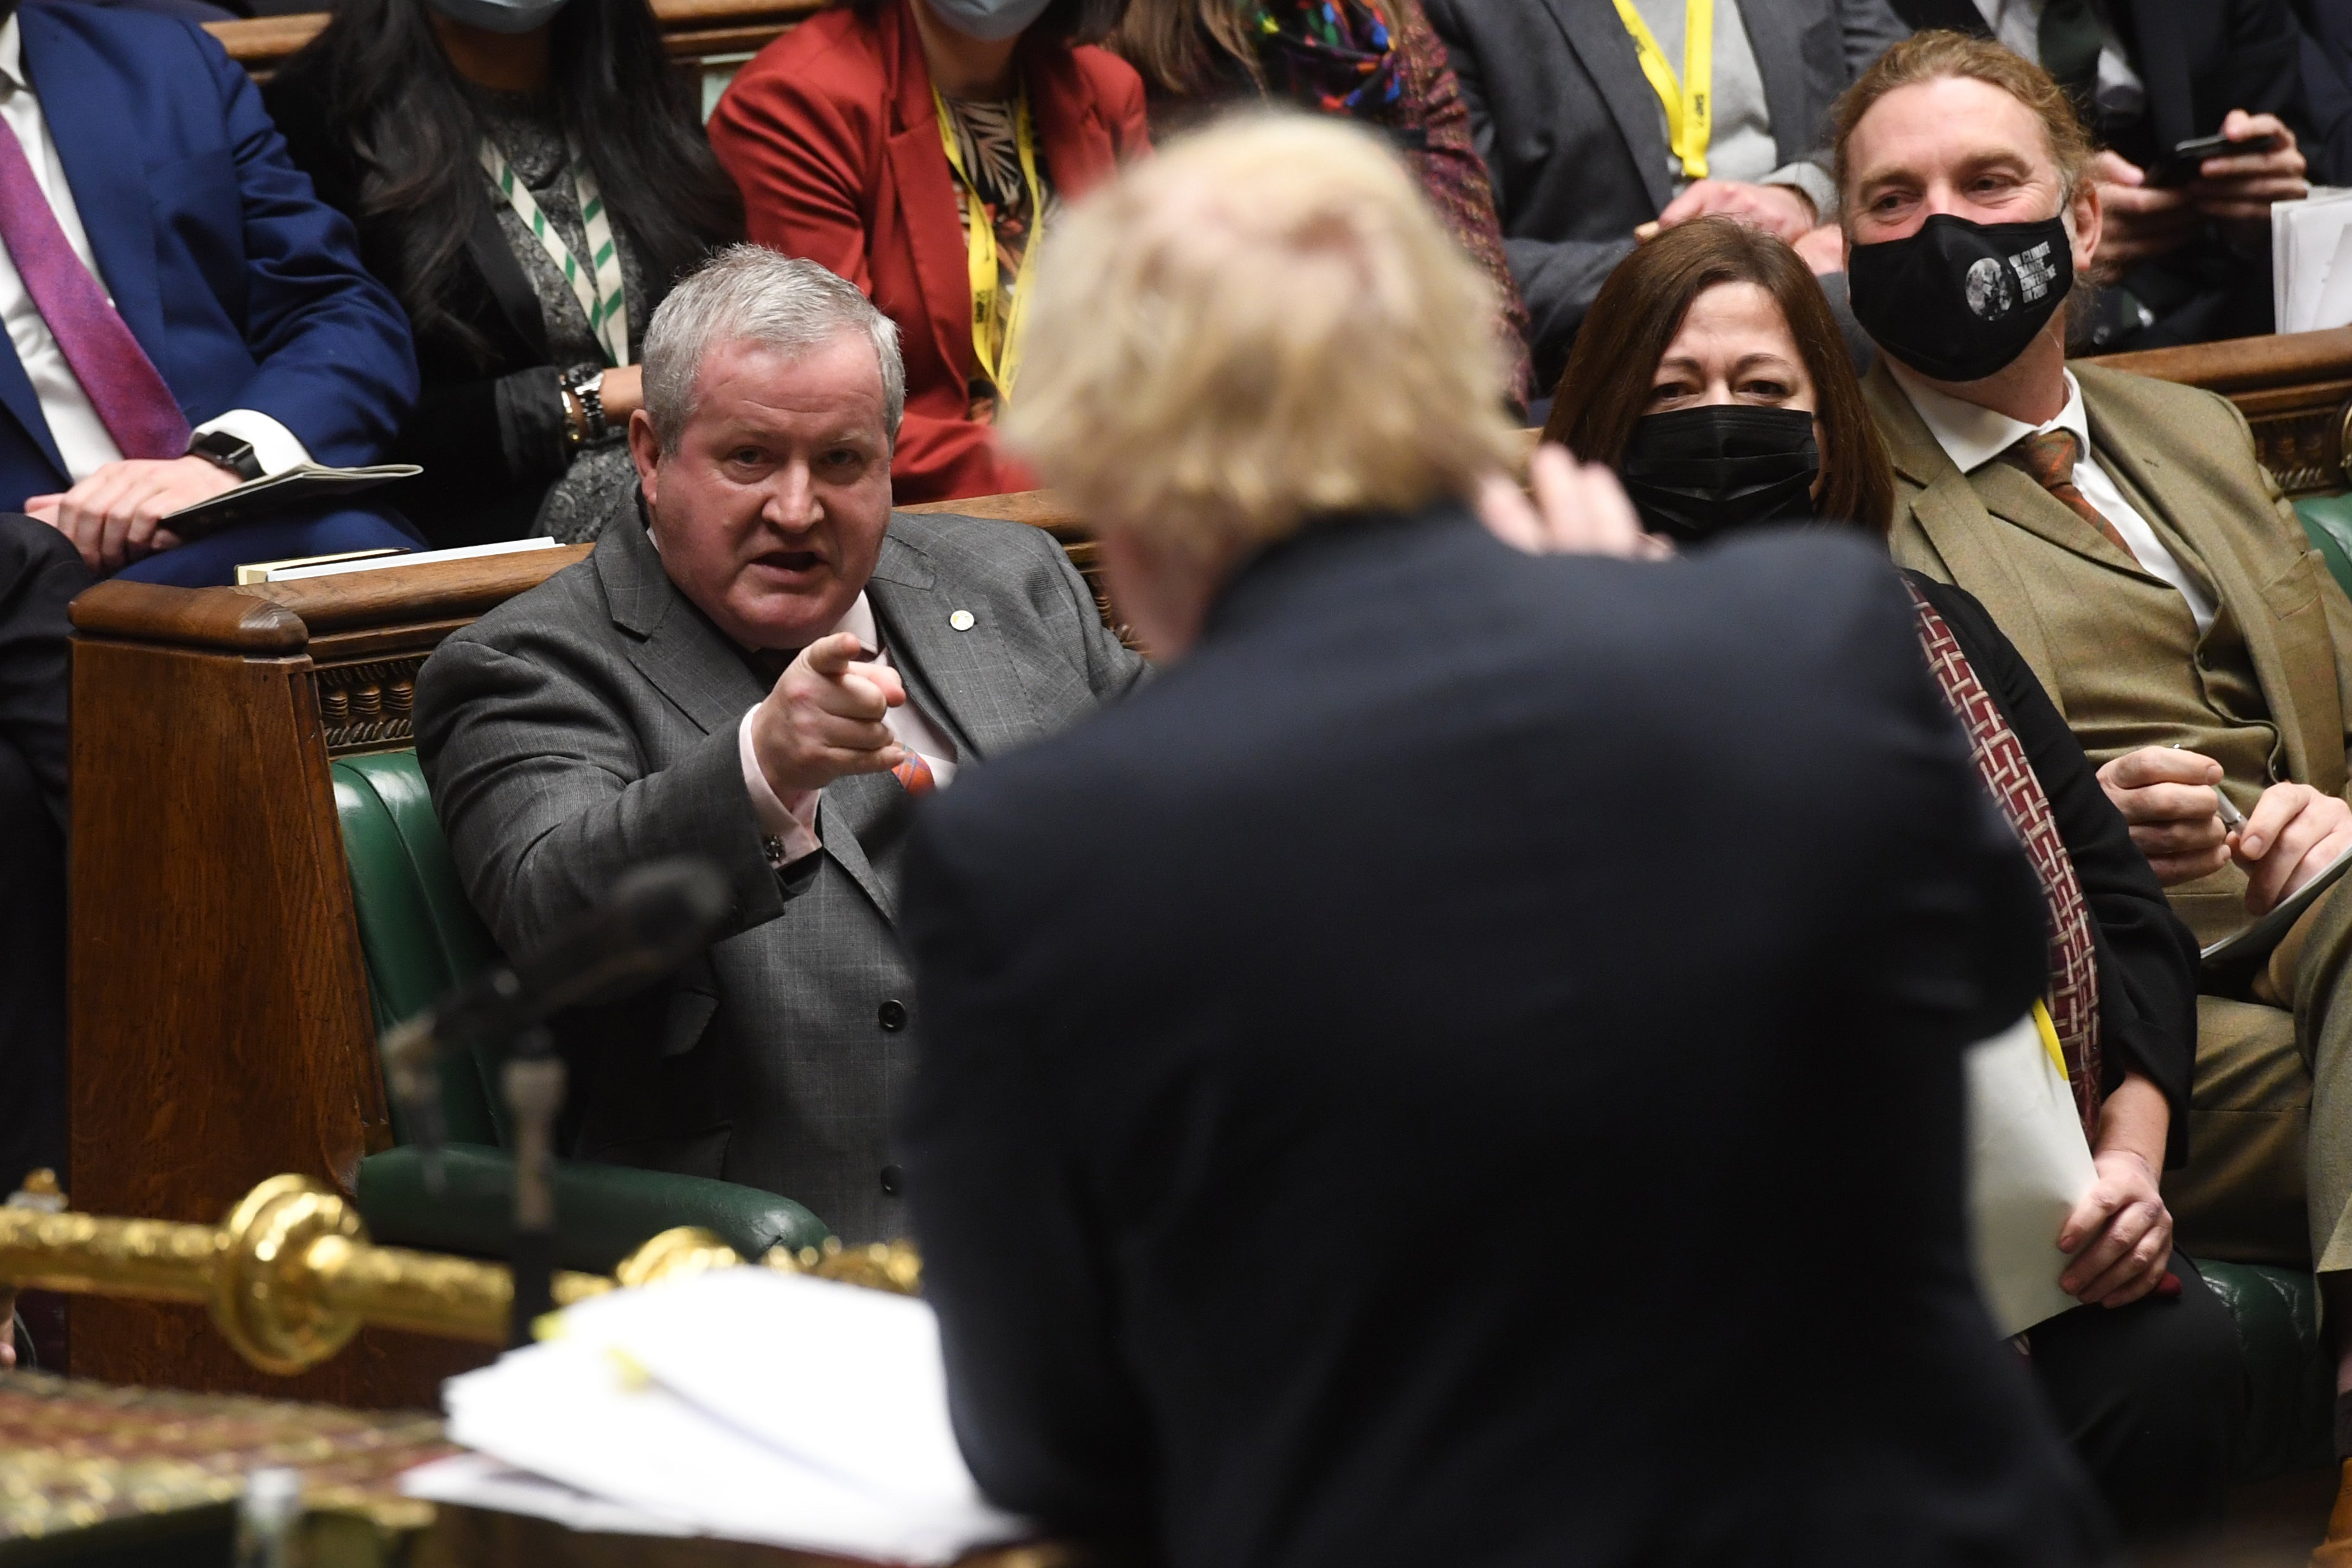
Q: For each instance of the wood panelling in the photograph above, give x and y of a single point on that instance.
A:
(2295, 391)
(691, 29)
(221, 1029)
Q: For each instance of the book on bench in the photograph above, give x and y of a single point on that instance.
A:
(299, 486)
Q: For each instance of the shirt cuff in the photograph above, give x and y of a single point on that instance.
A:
(1809, 180)
(275, 447)
(791, 819)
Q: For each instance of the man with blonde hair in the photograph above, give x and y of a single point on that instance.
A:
(1464, 1069)
(2124, 535)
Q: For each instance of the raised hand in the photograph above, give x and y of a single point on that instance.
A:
(824, 720)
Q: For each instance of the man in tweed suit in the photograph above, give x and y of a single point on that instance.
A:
(764, 674)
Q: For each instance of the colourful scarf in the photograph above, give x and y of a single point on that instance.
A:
(1335, 56)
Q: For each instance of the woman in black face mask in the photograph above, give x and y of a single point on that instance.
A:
(1710, 374)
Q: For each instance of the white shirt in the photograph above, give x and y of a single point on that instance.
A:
(793, 817)
(2017, 23)
(82, 439)
(1972, 436)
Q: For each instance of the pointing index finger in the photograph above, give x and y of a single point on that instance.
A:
(831, 657)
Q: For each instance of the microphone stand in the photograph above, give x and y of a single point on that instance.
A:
(533, 1080)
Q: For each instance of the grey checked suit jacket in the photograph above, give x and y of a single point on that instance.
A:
(590, 724)
(1570, 129)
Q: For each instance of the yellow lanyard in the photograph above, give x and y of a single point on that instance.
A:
(2049, 1033)
(1690, 99)
(996, 344)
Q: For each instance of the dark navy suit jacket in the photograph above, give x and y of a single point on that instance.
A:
(1415, 1163)
(242, 286)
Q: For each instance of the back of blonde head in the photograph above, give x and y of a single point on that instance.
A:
(1262, 324)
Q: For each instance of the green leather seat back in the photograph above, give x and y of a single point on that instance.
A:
(2290, 1418)
(603, 1212)
(417, 929)
(2327, 523)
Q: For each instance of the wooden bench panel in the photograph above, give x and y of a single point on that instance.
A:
(693, 29)
(2294, 389)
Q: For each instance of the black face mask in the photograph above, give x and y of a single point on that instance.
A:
(1957, 300)
(1694, 473)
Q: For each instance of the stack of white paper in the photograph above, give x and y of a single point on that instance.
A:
(745, 1403)
(2311, 260)
(2029, 1166)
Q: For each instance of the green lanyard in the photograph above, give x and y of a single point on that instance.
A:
(597, 286)
(1689, 99)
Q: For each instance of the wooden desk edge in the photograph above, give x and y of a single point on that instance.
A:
(2243, 365)
(282, 618)
(689, 29)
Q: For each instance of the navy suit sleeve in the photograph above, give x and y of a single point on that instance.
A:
(336, 364)
(1044, 1412)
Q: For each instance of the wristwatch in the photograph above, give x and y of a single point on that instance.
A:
(224, 450)
(586, 385)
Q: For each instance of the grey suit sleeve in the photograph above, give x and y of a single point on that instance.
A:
(542, 791)
(1112, 668)
(1556, 279)
(1869, 27)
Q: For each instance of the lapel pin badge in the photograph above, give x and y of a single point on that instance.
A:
(960, 620)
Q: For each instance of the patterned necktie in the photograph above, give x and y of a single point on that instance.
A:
(915, 773)
(129, 397)
(2050, 455)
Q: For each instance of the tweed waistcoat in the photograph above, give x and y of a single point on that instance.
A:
(2116, 649)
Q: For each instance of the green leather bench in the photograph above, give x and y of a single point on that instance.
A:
(2327, 523)
(421, 938)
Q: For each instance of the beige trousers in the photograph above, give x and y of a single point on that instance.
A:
(2269, 1177)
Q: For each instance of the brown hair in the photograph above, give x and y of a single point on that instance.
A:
(1930, 56)
(1170, 42)
(1606, 387)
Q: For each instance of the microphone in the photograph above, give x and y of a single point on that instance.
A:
(656, 916)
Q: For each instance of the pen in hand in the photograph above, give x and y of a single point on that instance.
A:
(2233, 820)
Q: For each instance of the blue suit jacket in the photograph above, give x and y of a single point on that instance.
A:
(242, 286)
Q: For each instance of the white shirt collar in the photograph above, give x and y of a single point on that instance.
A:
(12, 55)
(1972, 436)
(858, 621)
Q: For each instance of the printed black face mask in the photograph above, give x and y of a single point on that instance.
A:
(1694, 473)
(1957, 300)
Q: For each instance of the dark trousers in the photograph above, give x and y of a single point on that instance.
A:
(39, 574)
(2150, 1395)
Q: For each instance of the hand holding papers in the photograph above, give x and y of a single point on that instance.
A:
(2029, 1166)
(746, 1403)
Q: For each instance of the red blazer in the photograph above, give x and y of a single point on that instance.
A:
(831, 134)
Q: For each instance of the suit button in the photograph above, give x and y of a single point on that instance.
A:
(892, 1015)
(893, 1181)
